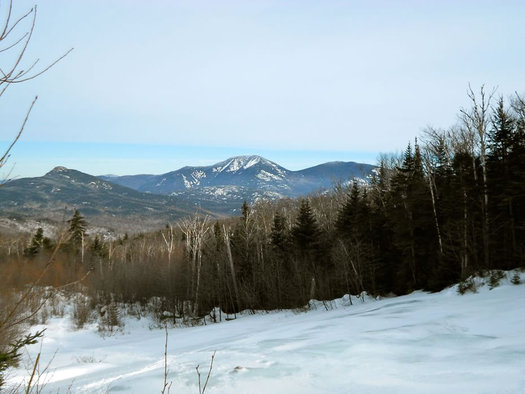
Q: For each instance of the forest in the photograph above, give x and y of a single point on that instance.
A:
(451, 205)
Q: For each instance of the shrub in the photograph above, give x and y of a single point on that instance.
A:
(495, 278)
(466, 286)
(81, 311)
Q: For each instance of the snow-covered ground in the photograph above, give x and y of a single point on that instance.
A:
(419, 343)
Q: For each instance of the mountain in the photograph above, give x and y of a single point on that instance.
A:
(223, 186)
(53, 195)
(140, 202)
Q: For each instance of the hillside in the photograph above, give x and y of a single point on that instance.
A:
(55, 194)
(153, 200)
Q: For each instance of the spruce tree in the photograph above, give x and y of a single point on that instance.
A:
(77, 230)
(306, 231)
(77, 226)
(37, 243)
(500, 187)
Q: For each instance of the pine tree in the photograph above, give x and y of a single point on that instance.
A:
(349, 217)
(306, 231)
(77, 231)
(501, 195)
(77, 228)
(412, 222)
(37, 243)
(278, 236)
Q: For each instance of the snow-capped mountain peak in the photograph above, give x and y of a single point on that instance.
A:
(239, 178)
(237, 163)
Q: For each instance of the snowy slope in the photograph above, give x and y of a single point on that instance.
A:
(419, 343)
(222, 187)
(250, 172)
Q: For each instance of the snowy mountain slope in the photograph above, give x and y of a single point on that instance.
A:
(226, 184)
(419, 343)
(247, 171)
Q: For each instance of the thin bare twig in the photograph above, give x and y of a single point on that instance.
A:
(6, 153)
(5, 323)
(28, 389)
(201, 391)
(165, 362)
(209, 372)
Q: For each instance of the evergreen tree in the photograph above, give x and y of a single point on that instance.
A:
(77, 228)
(243, 246)
(349, 217)
(279, 236)
(37, 243)
(306, 230)
(412, 222)
(500, 187)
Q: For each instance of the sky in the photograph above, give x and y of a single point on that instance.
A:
(152, 86)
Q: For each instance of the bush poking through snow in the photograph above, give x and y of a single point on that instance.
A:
(495, 278)
(81, 311)
(109, 321)
(516, 279)
(466, 286)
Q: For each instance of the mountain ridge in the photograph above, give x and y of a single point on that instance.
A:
(219, 190)
(250, 171)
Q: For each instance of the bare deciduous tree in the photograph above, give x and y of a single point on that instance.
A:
(195, 229)
(476, 122)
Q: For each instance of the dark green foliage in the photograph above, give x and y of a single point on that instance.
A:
(77, 228)
(495, 277)
(37, 242)
(305, 232)
(412, 221)
(279, 236)
(467, 286)
(11, 356)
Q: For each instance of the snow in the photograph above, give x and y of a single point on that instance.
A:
(234, 165)
(187, 183)
(198, 175)
(267, 176)
(419, 343)
(252, 161)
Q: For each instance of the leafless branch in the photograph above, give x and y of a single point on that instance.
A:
(6, 153)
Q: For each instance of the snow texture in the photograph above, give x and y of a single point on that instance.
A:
(419, 343)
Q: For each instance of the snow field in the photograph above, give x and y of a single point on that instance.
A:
(418, 343)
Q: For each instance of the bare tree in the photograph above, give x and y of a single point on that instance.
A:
(168, 240)
(195, 228)
(476, 121)
(435, 144)
(13, 47)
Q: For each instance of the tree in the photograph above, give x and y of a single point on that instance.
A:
(501, 139)
(13, 71)
(306, 237)
(13, 47)
(37, 243)
(476, 121)
(77, 231)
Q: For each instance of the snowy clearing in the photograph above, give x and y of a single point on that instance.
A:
(419, 343)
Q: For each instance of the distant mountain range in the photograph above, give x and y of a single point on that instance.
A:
(54, 195)
(219, 189)
(223, 187)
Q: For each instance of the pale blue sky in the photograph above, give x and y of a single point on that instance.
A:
(155, 85)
